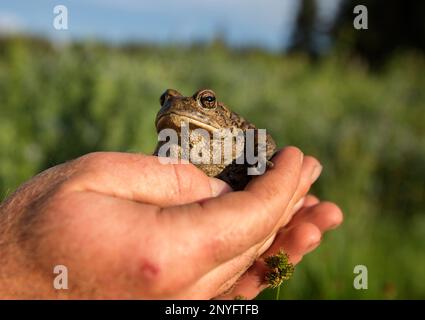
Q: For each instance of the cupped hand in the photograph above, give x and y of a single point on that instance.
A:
(128, 226)
(301, 236)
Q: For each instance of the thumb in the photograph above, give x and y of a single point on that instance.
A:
(144, 179)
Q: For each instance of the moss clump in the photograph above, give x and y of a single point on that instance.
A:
(280, 269)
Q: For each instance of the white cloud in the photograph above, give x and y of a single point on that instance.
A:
(10, 23)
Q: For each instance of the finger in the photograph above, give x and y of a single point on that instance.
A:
(309, 174)
(306, 201)
(297, 242)
(298, 206)
(143, 178)
(238, 265)
(310, 200)
(325, 215)
(219, 279)
(229, 268)
(303, 235)
(310, 171)
(227, 226)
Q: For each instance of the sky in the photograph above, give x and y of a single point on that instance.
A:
(264, 23)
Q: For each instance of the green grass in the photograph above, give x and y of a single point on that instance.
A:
(368, 130)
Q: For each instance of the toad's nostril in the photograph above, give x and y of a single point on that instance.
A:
(169, 93)
(162, 99)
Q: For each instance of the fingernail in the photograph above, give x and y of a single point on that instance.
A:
(299, 204)
(219, 187)
(313, 245)
(316, 173)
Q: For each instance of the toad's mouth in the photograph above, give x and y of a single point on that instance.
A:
(174, 120)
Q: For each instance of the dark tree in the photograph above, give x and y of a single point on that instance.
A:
(303, 38)
(393, 25)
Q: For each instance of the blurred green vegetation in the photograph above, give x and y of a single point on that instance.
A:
(58, 102)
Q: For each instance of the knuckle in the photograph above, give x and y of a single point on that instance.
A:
(187, 179)
(88, 167)
(311, 231)
(179, 181)
(271, 191)
(93, 160)
(213, 248)
(261, 206)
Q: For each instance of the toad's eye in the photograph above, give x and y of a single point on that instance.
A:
(208, 101)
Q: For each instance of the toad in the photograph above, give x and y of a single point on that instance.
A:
(205, 125)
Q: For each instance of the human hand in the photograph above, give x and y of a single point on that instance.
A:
(127, 226)
(299, 237)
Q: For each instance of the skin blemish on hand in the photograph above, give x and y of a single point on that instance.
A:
(148, 270)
